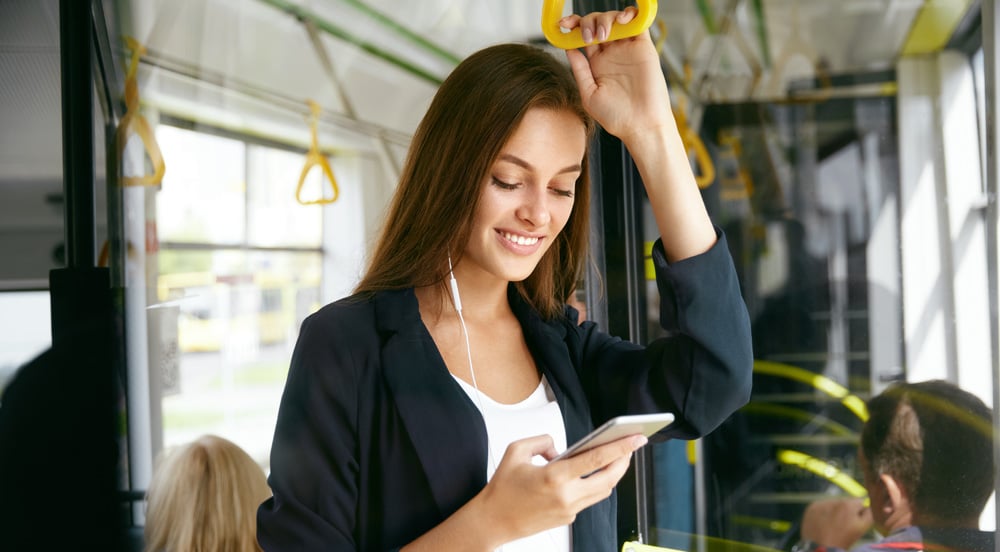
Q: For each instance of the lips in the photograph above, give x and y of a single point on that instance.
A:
(518, 239)
(521, 244)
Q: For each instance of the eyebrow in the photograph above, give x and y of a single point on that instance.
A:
(521, 162)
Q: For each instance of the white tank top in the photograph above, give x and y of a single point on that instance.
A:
(538, 414)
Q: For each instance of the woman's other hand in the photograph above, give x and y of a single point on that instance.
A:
(621, 82)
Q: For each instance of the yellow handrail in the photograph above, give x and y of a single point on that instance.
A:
(818, 381)
(315, 157)
(134, 122)
(552, 12)
(823, 469)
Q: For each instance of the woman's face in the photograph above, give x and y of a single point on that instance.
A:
(527, 196)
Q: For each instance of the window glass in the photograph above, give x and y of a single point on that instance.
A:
(237, 270)
(275, 218)
(25, 330)
(236, 315)
(202, 199)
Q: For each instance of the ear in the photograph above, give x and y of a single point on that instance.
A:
(896, 495)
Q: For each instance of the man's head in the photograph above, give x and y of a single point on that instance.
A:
(927, 454)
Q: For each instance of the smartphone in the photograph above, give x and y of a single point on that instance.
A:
(616, 428)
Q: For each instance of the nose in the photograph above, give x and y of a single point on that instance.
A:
(534, 210)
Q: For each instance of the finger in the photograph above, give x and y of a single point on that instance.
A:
(626, 15)
(525, 449)
(599, 484)
(569, 22)
(866, 515)
(599, 457)
(581, 72)
(597, 26)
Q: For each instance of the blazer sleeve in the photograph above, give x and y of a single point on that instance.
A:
(314, 463)
(701, 371)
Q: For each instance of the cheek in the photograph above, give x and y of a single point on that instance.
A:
(561, 214)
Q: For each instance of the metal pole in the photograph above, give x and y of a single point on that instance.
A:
(77, 131)
(991, 67)
(634, 278)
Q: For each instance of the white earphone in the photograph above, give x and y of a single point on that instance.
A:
(491, 458)
(454, 292)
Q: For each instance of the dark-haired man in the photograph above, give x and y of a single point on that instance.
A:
(927, 457)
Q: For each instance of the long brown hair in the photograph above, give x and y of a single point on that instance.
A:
(473, 114)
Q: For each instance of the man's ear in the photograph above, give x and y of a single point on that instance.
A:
(896, 495)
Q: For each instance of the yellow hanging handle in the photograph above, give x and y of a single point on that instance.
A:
(692, 142)
(314, 157)
(552, 11)
(134, 122)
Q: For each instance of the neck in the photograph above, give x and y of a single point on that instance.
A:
(478, 302)
(928, 520)
(900, 518)
(483, 295)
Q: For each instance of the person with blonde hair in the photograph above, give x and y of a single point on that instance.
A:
(204, 497)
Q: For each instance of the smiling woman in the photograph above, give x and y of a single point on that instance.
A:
(456, 371)
(528, 197)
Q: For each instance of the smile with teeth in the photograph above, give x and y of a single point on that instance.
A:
(519, 240)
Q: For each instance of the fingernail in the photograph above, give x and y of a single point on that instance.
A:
(602, 33)
(588, 35)
(639, 441)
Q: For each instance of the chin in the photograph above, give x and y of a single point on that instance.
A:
(519, 275)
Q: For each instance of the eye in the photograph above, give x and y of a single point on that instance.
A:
(562, 193)
(503, 185)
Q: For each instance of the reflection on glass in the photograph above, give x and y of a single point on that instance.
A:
(236, 321)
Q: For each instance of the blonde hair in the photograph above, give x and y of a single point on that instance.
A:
(204, 497)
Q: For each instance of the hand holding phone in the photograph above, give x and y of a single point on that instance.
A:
(616, 428)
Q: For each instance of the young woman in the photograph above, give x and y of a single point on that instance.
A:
(416, 410)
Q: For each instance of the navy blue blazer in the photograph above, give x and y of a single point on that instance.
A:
(376, 443)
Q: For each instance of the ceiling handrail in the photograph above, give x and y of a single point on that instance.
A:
(303, 14)
(413, 37)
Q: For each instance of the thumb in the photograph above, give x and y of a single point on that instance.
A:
(580, 66)
(524, 449)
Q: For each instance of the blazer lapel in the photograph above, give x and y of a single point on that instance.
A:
(446, 429)
(548, 344)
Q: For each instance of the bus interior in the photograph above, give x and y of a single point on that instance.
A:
(188, 180)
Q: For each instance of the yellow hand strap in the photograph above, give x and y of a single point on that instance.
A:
(134, 122)
(314, 157)
(706, 174)
(552, 12)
